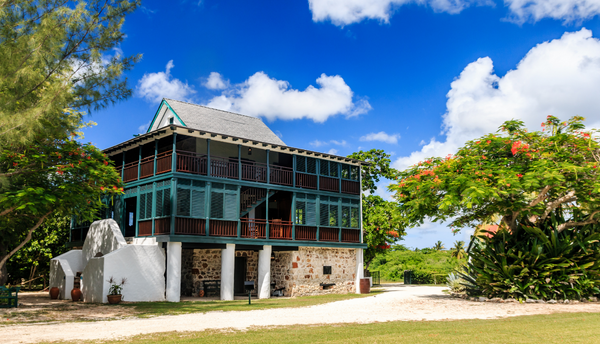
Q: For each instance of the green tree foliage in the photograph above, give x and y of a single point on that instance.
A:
(543, 186)
(458, 251)
(425, 264)
(57, 59)
(382, 223)
(438, 246)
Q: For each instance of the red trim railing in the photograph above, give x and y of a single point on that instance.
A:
(306, 233)
(162, 226)
(253, 228)
(306, 181)
(251, 196)
(145, 228)
(279, 229)
(329, 184)
(188, 226)
(328, 234)
(223, 228)
(254, 171)
(147, 167)
(350, 235)
(281, 175)
(164, 162)
(190, 162)
(350, 187)
(223, 167)
(130, 172)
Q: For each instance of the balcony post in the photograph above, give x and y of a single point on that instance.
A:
(208, 166)
(264, 272)
(360, 210)
(139, 162)
(340, 218)
(173, 203)
(207, 208)
(153, 203)
(173, 272)
(123, 167)
(267, 214)
(239, 162)
(137, 212)
(268, 168)
(239, 221)
(294, 214)
(294, 170)
(339, 177)
(155, 154)
(318, 170)
(174, 156)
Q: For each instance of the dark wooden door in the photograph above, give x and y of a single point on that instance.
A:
(130, 216)
(239, 275)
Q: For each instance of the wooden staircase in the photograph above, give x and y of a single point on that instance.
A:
(252, 198)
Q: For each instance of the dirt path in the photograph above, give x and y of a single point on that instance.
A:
(399, 303)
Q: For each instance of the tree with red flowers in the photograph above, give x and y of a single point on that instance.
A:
(382, 223)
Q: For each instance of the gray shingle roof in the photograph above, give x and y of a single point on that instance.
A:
(223, 122)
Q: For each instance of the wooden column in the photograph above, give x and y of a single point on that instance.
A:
(239, 222)
(174, 156)
(340, 218)
(239, 162)
(139, 161)
(268, 168)
(294, 170)
(153, 200)
(207, 208)
(208, 168)
(294, 212)
(267, 212)
(173, 203)
(155, 154)
(137, 211)
(318, 206)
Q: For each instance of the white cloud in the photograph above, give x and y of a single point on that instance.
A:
(381, 136)
(560, 77)
(262, 96)
(155, 86)
(144, 127)
(216, 82)
(565, 10)
(345, 12)
(332, 151)
(318, 143)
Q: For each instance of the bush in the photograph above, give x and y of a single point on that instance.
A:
(536, 263)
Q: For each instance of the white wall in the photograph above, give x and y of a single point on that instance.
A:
(104, 236)
(63, 270)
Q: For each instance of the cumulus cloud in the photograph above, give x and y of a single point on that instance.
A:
(318, 143)
(565, 10)
(262, 96)
(215, 82)
(155, 86)
(332, 151)
(560, 77)
(381, 136)
(345, 12)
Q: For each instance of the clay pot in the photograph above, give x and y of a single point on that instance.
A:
(75, 294)
(54, 291)
(201, 293)
(365, 286)
(114, 299)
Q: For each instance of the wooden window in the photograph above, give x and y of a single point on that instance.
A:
(146, 202)
(191, 198)
(223, 201)
(163, 198)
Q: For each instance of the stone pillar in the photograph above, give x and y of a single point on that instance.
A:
(264, 272)
(227, 271)
(173, 271)
(359, 269)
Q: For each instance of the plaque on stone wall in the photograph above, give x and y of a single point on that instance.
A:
(326, 270)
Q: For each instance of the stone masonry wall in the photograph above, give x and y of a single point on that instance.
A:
(301, 272)
(200, 265)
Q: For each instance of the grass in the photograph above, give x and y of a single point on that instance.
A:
(547, 329)
(146, 309)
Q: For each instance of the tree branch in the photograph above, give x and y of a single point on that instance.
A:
(570, 196)
(27, 238)
(566, 225)
(6, 211)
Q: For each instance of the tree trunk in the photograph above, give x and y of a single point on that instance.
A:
(3, 269)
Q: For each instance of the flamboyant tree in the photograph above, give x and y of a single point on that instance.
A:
(539, 190)
(382, 222)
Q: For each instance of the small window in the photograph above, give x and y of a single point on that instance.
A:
(170, 120)
(326, 270)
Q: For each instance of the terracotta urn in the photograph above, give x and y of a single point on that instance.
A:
(75, 294)
(54, 291)
(114, 299)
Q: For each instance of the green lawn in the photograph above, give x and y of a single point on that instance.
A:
(555, 328)
(146, 309)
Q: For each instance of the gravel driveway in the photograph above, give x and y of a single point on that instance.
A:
(398, 303)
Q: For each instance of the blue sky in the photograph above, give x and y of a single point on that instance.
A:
(415, 78)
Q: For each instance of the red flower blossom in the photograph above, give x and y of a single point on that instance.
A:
(519, 175)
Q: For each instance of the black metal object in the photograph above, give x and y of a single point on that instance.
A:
(212, 287)
(249, 286)
(407, 276)
(375, 277)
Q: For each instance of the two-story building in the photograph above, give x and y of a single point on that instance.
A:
(230, 202)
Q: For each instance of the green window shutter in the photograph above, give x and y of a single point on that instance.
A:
(324, 167)
(324, 209)
(159, 203)
(311, 165)
(198, 201)
(230, 207)
(142, 206)
(183, 202)
(311, 213)
(216, 205)
(149, 205)
(166, 206)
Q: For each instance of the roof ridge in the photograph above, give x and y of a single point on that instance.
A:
(206, 107)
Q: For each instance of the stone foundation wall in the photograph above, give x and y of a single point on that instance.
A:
(301, 272)
(200, 265)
